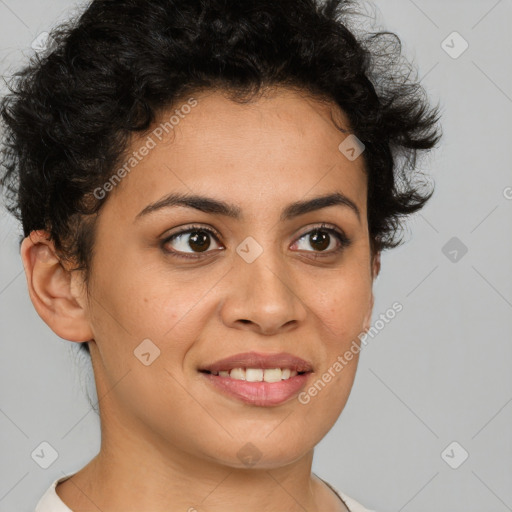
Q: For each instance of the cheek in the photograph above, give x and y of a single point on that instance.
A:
(341, 306)
(135, 305)
(341, 316)
(340, 310)
(135, 297)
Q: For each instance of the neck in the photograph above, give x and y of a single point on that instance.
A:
(133, 472)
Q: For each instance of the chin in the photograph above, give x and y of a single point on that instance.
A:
(260, 453)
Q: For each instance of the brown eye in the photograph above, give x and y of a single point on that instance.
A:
(199, 240)
(321, 239)
(191, 241)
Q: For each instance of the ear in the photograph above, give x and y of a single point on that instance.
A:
(375, 263)
(57, 294)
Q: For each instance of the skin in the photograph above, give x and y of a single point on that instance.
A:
(169, 440)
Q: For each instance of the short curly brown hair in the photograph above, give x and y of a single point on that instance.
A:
(111, 71)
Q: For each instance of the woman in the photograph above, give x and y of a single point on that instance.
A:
(205, 189)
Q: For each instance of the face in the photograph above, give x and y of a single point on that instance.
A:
(178, 287)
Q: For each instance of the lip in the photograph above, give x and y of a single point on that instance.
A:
(259, 360)
(263, 394)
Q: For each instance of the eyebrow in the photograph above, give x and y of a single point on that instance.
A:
(217, 207)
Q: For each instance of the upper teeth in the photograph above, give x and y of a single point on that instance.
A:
(258, 374)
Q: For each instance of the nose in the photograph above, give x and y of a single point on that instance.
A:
(262, 297)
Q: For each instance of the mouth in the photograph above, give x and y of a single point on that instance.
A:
(259, 379)
(256, 374)
(259, 361)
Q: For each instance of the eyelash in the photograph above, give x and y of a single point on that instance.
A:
(343, 240)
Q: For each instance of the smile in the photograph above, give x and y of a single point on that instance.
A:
(258, 374)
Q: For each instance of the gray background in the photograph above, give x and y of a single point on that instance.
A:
(439, 372)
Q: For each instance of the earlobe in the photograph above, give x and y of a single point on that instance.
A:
(50, 289)
(376, 265)
(375, 273)
(368, 317)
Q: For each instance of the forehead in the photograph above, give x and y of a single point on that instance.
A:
(281, 118)
(282, 147)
